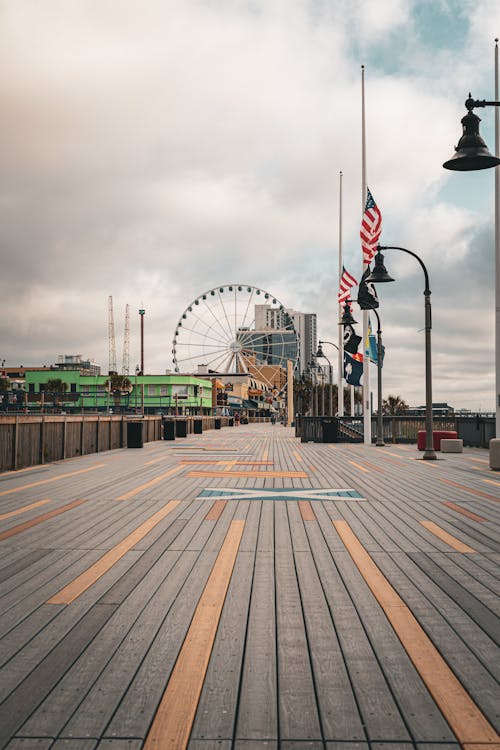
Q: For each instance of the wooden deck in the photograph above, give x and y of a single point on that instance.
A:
(241, 590)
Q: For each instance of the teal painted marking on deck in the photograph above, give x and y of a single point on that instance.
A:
(260, 493)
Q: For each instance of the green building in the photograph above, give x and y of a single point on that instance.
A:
(148, 394)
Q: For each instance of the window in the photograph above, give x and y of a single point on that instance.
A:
(163, 390)
(151, 390)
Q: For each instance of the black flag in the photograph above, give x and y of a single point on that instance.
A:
(351, 340)
(367, 296)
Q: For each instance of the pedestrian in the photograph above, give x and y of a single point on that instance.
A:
(237, 419)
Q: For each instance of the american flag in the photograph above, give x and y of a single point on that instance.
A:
(371, 227)
(346, 282)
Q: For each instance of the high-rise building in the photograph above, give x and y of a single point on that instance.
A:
(304, 324)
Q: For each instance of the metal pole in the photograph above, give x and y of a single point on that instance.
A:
(497, 252)
(340, 357)
(429, 453)
(380, 418)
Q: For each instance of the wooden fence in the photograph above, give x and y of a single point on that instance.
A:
(28, 440)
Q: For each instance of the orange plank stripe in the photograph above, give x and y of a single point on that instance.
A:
(452, 541)
(306, 510)
(52, 479)
(215, 511)
(358, 466)
(40, 519)
(24, 509)
(172, 724)
(462, 714)
(389, 453)
(151, 483)
(297, 456)
(464, 512)
(469, 489)
(222, 463)
(261, 474)
(80, 584)
(491, 481)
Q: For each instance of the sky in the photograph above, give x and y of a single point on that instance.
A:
(151, 151)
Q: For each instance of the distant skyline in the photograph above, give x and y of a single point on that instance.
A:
(152, 151)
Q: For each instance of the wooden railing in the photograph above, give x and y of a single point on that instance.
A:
(28, 440)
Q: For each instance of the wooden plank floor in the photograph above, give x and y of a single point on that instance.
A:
(241, 590)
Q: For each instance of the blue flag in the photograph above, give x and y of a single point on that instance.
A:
(353, 368)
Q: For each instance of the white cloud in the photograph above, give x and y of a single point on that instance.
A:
(153, 152)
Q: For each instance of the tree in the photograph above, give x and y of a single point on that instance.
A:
(56, 387)
(4, 392)
(118, 386)
(394, 405)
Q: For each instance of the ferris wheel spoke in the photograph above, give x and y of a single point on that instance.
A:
(223, 330)
(200, 355)
(205, 336)
(204, 323)
(247, 308)
(204, 345)
(225, 315)
(242, 362)
(248, 338)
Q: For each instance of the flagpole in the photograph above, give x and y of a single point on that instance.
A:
(367, 420)
(497, 252)
(340, 360)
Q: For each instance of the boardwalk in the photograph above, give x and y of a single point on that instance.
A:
(239, 589)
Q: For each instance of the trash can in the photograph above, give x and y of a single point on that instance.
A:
(197, 426)
(329, 430)
(169, 430)
(181, 428)
(231, 421)
(217, 424)
(135, 434)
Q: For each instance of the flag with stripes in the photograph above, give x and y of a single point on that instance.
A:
(347, 281)
(371, 227)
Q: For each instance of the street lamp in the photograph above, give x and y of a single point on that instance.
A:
(380, 275)
(320, 353)
(472, 154)
(380, 418)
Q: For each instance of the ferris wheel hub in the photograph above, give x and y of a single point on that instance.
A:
(235, 346)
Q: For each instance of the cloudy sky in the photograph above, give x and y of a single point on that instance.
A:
(152, 150)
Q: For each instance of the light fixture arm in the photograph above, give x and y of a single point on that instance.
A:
(472, 103)
(427, 290)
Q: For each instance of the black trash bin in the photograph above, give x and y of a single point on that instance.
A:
(135, 434)
(217, 424)
(169, 430)
(197, 426)
(231, 421)
(181, 428)
(329, 429)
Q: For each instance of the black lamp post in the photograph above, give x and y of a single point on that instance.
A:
(321, 354)
(380, 275)
(380, 418)
(471, 154)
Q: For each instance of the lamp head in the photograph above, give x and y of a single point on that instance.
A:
(319, 353)
(379, 274)
(471, 153)
(347, 318)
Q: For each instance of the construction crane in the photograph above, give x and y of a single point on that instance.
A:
(126, 342)
(111, 337)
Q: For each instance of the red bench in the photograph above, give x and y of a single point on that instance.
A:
(437, 436)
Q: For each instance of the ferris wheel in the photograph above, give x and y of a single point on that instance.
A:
(235, 328)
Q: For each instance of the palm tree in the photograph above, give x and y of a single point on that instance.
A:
(394, 405)
(118, 386)
(4, 392)
(55, 387)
